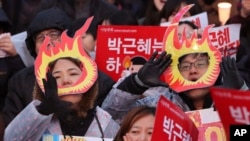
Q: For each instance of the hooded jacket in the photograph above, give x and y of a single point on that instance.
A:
(96, 122)
(21, 87)
(51, 18)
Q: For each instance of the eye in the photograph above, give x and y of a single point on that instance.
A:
(39, 38)
(57, 77)
(150, 132)
(201, 63)
(135, 132)
(74, 74)
(185, 65)
(54, 34)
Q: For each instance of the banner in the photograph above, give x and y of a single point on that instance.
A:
(233, 107)
(226, 38)
(50, 137)
(200, 20)
(209, 125)
(172, 124)
(119, 46)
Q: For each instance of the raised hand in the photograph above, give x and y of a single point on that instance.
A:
(149, 74)
(51, 102)
(230, 74)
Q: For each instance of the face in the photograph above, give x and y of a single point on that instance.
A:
(188, 30)
(193, 67)
(88, 42)
(67, 74)
(39, 38)
(170, 18)
(142, 129)
(159, 4)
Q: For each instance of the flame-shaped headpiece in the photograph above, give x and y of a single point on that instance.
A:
(179, 47)
(67, 47)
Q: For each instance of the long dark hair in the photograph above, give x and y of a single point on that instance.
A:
(152, 16)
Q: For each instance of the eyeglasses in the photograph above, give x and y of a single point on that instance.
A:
(39, 38)
(185, 66)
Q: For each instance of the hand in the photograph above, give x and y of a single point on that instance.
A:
(7, 45)
(51, 103)
(151, 71)
(230, 73)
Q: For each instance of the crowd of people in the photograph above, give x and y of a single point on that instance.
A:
(69, 95)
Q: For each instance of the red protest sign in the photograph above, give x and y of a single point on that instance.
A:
(172, 124)
(233, 107)
(209, 125)
(117, 46)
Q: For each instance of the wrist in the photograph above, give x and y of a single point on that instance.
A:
(139, 82)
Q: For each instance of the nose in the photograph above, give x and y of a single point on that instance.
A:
(192, 69)
(143, 137)
(66, 81)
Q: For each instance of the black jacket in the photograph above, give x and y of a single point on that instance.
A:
(8, 67)
(21, 88)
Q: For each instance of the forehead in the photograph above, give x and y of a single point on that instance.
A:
(194, 56)
(184, 26)
(47, 31)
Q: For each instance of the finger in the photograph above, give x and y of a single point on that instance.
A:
(161, 57)
(165, 65)
(233, 64)
(225, 65)
(166, 62)
(223, 73)
(45, 87)
(51, 80)
(153, 56)
(52, 85)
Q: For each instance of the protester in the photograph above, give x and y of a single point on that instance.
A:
(243, 53)
(10, 61)
(88, 38)
(152, 14)
(171, 8)
(138, 124)
(21, 12)
(129, 92)
(133, 86)
(121, 17)
(22, 84)
(77, 9)
(189, 28)
(66, 99)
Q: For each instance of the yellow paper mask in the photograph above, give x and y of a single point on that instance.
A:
(184, 46)
(68, 47)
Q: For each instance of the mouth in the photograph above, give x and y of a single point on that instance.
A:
(193, 79)
(163, 1)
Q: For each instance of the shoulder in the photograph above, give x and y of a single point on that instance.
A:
(29, 71)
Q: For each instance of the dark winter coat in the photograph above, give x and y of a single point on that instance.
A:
(21, 87)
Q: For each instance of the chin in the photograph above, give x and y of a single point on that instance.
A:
(197, 93)
(73, 98)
